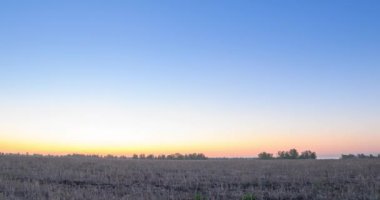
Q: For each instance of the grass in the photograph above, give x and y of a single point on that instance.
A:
(249, 197)
(28, 177)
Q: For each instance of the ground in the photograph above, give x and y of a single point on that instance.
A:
(33, 177)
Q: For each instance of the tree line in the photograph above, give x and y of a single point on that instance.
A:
(291, 154)
(360, 156)
(175, 156)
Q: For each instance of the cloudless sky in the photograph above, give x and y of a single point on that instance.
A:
(227, 78)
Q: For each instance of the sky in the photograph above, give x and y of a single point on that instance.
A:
(226, 78)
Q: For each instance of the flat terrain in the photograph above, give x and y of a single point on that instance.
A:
(28, 177)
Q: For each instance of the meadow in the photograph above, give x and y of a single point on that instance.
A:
(37, 177)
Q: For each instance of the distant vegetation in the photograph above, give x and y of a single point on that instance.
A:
(359, 156)
(291, 154)
(176, 156)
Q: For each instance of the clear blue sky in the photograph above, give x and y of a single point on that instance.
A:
(269, 69)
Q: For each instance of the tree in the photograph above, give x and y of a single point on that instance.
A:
(109, 156)
(135, 156)
(264, 155)
(308, 155)
(349, 156)
(192, 156)
(283, 154)
(201, 156)
(293, 154)
(178, 156)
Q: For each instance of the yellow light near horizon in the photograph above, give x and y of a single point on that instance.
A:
(114, 129)
(237, 147)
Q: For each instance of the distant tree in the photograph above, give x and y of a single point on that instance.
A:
(348, 156)
(308, 155)
(293, 154)
(178, 156)
(201, 156)
(283, 155)
(265, 156)
(191, 156)
(361, 156)
(109, 156)
(313, 155)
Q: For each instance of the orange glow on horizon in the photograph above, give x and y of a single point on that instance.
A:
(231, 148)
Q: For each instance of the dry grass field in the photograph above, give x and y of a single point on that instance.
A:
(29, 177)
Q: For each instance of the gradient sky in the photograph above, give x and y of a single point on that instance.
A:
(227, 78)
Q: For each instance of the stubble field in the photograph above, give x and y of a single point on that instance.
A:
(28, 177)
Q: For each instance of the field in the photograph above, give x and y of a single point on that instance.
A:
(31, 177)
